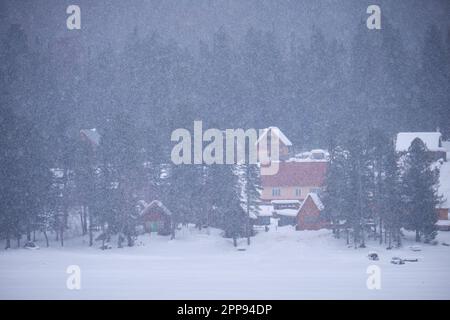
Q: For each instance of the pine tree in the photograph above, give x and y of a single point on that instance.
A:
(391, 197)
(360, 185)
(420, 190)
(25, 174)
(123, 163)
(184, 194)
(84, 171)
(225, 199)
(252, 194)
(337, 194)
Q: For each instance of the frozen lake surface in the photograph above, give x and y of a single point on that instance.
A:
(280, 264)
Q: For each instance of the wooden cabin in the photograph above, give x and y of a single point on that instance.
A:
(309, 215)
(155, 217)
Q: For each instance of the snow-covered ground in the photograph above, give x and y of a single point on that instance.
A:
(279, 264)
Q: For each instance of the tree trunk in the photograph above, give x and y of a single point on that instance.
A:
(83, 229)
(172, 234)
(363, 240)
(399, 238)
(390, 239)
(417, 236)
(46, 239)
(360, 206)
(8, 241)
(85, 219)
(119, 241)
(234, 241)
(62, 236)
(338, 229)
(248, 231)
(381, 231)
(34, 235)
(91, 236)
(130, 241)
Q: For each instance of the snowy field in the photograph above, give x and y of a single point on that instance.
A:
(280, 264)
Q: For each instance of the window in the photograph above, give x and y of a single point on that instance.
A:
(276, 192)
(298, 192)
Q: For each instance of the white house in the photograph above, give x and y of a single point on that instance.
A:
(432, 140)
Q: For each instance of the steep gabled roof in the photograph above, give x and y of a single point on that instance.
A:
(155, 204)
(91, 135)
(275, 131)
(315, 199)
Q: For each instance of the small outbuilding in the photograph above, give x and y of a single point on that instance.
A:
(157, 218)
(309, 216)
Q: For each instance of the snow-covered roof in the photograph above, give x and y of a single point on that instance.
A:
(303, 155)
(287, 212)
(57, 172)
(92, 135)
(153, 204)
(315, 198)
(431, 139)
(285, 202)
(314, 155)
(276, 131)
(265, 210)
(296, 159)
(443, 223)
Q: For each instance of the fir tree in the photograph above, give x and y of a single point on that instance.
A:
(391, 196)
(337, 194)
(252, 195)
(420, 190)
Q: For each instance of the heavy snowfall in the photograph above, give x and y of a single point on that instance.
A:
(122, 126)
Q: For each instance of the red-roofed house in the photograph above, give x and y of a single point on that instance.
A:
(294, 180)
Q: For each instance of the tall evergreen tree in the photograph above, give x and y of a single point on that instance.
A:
(420, 190)
(252, 195)
(225, 199)
(337, 195)
(391, 196)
